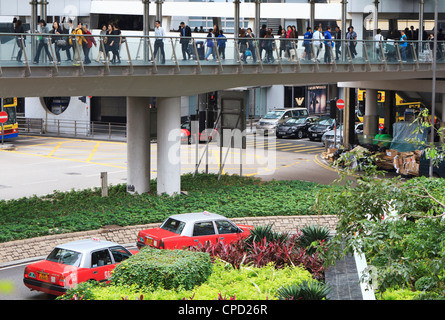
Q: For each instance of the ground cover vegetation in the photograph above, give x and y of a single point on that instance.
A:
(231, 196)
(267, 265)
(397, 223)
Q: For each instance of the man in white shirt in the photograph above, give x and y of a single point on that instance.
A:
(378, 40)
(159, 42)
(317, 38)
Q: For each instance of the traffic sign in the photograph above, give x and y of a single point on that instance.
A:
(3, 117)
(340, 104)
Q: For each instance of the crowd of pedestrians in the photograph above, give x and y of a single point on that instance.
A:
(75, 40)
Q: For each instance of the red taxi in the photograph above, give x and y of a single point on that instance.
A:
(189, 229)
(75, 262)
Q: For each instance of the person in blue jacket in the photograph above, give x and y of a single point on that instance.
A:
(308, 44)
(328, 43)
(403, 45)
(221, 41)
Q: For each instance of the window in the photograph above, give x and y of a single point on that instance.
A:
(64, 256)
(120, 253)
(203, 229)
(100, 258)
(56, 105)
(173, 225)
(225, 226)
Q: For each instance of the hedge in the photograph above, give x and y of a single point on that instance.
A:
(169, 269)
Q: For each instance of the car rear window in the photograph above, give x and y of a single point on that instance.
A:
(173, 225)
(65, 256)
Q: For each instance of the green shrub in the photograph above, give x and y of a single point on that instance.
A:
(307, 290)
(248, 283)
(168, 269)
(312, 235)
(398, 294)
(231, 196)
(260, 233)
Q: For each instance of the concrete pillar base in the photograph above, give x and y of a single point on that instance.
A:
(138, 145)
(169, 145)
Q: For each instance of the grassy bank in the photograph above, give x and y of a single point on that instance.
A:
(73, 211)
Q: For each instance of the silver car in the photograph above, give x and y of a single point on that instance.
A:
(273, 118)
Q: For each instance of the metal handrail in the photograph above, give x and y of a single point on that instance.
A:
(363, 56)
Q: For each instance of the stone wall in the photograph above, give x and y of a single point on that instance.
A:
(23, 250)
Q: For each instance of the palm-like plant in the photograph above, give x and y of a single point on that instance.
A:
(313, 234)
(307, 290)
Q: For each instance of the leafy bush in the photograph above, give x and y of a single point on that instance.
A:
(168, 269)
(280, 253)
(260, 233)
(312, 236)
(232, 196)
(307, 290)
(225, 282)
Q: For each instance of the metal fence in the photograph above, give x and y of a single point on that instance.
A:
(73, 128)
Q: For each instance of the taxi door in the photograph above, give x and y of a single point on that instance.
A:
(204, 231)
(101, 265)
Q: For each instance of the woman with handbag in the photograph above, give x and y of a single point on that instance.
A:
(59, 42)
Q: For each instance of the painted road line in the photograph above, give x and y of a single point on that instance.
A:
(93, 152)
(55, 149)
(301, 148)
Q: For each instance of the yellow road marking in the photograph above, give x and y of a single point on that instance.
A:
(93, 152)
(55, 149)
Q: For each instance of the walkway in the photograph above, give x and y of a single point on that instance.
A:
(138, 74)
(344, 280)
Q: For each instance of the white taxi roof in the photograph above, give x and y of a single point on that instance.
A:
(87, 245)
(197, 216)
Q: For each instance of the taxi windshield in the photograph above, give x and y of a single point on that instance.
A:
(173, 225)
(64, 256)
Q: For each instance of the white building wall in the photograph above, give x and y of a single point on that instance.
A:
(275, 97)
(62, 123)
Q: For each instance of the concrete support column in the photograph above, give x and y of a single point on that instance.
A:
(371, 118)
(138, 144)
(33, 23)
(349, 117)
(442, 123)
(146, 27)
(257, 18)
(169, 145)
(312, 17)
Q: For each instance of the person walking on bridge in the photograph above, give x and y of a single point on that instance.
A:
(43, 42)
(77, 42)
(87, 45)
(185, 34)
(159, 42)
(307, 43)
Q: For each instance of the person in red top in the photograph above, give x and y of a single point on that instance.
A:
(86, 45)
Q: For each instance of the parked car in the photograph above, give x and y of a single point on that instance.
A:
(295, 127)
(75, 262)
(328, 137)
(324, 124)
(189, 229)
(273, 118)
(187, 137)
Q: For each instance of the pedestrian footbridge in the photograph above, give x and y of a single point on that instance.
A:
(142, 71)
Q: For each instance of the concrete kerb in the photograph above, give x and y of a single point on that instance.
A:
(27, 250)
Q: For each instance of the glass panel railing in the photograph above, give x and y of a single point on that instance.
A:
(35, 50)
